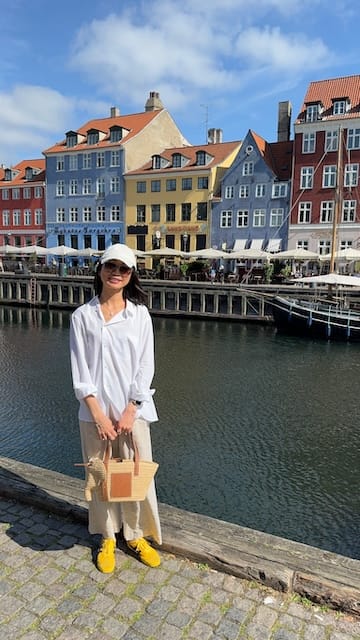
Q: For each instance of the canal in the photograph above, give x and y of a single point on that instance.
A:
(255, 428)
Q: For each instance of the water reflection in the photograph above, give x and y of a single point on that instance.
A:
(255, 428)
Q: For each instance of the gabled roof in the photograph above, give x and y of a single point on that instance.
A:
(325, 91)
(133, 123)
(218, 152)
(21, 167)
(277, 155)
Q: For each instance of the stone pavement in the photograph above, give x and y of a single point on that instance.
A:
(50, 589)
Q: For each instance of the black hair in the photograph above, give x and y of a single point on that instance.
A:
(133, 290)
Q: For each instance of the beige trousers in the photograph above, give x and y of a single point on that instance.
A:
(137, 519)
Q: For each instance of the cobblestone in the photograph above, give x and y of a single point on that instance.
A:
(51, 590)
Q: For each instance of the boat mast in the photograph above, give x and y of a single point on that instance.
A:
(338, 200)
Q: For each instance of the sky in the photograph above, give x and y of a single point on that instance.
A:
(215, 63)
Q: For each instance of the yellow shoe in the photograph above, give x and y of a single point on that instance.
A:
(144, 551)
(105, 560)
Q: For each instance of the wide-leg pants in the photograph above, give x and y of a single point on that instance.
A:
(137, 519)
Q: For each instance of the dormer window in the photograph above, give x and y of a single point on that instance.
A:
(200, 157)
(313, 112)
(93, 137)
(176, 160)
(341, 106)
(8, 174)
(158, 162)
(116, 134)
(29, 173)
(71, 139)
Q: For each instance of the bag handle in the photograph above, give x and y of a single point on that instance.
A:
(133, 446)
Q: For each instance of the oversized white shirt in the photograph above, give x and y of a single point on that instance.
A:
(114, 360)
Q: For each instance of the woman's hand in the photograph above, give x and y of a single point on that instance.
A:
(126, 421)
(106, 429)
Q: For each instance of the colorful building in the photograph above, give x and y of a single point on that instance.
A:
(85, 196)
(330, 114)
(22, 202)
(168, 200)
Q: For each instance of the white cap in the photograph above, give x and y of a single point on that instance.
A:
(119, 252)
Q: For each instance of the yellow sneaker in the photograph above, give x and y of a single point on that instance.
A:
(144, 551)
(105, 560)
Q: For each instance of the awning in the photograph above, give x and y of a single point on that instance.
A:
(274, 245)
(240, 244)
(257, 244)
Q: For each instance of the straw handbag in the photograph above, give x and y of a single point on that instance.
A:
(119, 480)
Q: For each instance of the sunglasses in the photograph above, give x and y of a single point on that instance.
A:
(122, 269)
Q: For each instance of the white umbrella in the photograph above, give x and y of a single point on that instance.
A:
(347, 255)
(295, 254)
(8, 249)
(166, 251)
(62, 251)
(332, 278)
(87, 252)
(33, 249)
(207, 254)
(248, 254)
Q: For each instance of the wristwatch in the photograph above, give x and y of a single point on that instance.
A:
(137, 403)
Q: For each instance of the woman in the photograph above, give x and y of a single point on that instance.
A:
(112, 362)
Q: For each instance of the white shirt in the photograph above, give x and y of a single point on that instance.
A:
(114, 360)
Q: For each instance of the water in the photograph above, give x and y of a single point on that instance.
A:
(255, 428)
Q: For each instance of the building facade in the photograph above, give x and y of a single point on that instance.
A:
(22, 202)
(326, 167)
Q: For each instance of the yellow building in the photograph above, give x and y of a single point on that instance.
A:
(168, 200)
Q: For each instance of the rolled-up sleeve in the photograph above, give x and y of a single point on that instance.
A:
(140, 389)
(82, 381)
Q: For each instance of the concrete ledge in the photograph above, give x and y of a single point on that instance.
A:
(323, 577)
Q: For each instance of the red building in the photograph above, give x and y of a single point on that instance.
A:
(326, 167)
(22, 204)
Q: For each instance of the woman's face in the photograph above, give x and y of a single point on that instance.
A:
(115, 275)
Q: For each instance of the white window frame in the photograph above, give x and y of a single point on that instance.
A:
(329, 176)
(242, 218)
(115, 158)
(304, 212)
(100, 187)
(248, 168)
(60, 188)
(276, 217)
(73, 162)
(38, 217)
(100, 159)
(260, 190)
(100, 213)
(306, 177)
(73, 214)
(27, 193)
(353, 138)
(6, 218)
(5, 194)
(60, 214)
(259, 217)
(73, 187)
(15, 192)
(348, 213)
(324, 247)
(87, 186)
(86, 160)
(115, 184)
(327, 211)
(86, 214)
(229, 192)
(312, 112)
(226, 219)
(302, 244)
(60, 163)
(16, 217)
(279, 190)
(27, 217)
(331, 140)
(38, 192)
(244, 191)
(351, 175)
(309, 142)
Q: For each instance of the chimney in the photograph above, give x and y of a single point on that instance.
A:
(114, 112)
(153, 103)
(284, 121)
(215, 136)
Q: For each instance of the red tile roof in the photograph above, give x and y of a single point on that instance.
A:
(219, 152)
(134, 123)
(19, 179)
(277, 155)
(325, 91)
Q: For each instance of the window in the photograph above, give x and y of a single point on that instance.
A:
(38, 192)
(244, 191)
(100, 213)
(73, 162)
(186, 184)
(349, 211)
(306, 177)
(16, 194)
(141, 186)
(115, 159)
(156, 162)
(279, 190)
(203, 182)
(326, 211)
(345, 244)
(6, 218)
(74, 241)
(155, 213)
(115, 213)
(353, 139)
(100, 159)
(308, 142)
(248, 168)
(86, 214)
(312, 112)
(71, 140)
(100, 187)
(242, 218)
(329, 176)
(331, 140)
(260, 190)
(60, 214)
(304, 212)
(200, 158)
(170, 241)
(171, 185)
(27, 217)
(86, 160)
(60, 163)
(60, 188)
(27, 193)
(73, 214)
(170, 213)
(339, 107)
(87, 186)
(229, 192)
(115, 184)
(16, 217)
(201, 211)
(93, 138)
(5, 194)
(155, 186)
(302, 244)
(186, 212)
(276, 217)
(73, 188)
(324, 247)
(116, 134)
(351, 175)
(176, 160)
(259, 218)
(226, 219)
(141, 213)
(38, 217)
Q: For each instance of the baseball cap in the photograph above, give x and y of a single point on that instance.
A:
(119, 252)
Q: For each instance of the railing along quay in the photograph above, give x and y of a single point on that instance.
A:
(221, 301)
